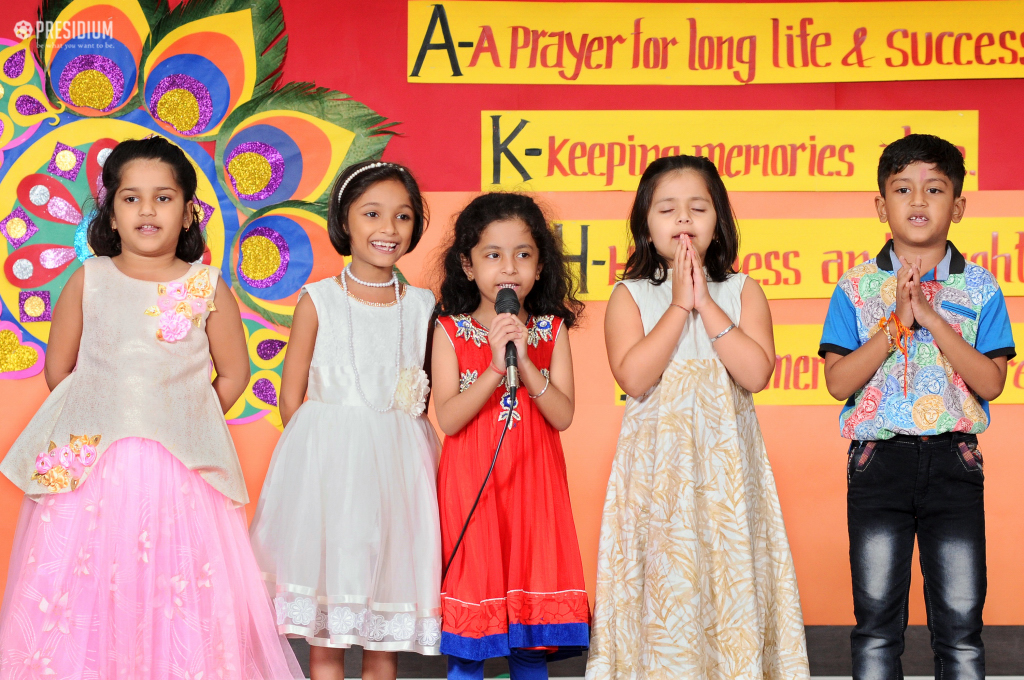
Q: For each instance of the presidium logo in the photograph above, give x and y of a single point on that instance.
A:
(23, 30)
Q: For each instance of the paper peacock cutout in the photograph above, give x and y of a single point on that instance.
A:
(204, 75)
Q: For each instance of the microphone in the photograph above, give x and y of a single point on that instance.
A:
(507, 302)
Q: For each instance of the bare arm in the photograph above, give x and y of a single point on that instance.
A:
(295, 374)
(227, 348)
(638, 360)
(558, 403)
(748, 351)
(65, 331)
(455, 409)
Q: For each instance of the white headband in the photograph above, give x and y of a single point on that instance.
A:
(363, 169)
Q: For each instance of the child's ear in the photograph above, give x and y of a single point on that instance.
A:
(467, 266)
(883, 215)
(540, 268)
(959, 206)
(190, 211)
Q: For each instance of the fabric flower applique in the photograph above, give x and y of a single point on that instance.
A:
(466, 379)
(58, 468)
(506, 403)
(411, 391)
(182, 305)
(539, 330)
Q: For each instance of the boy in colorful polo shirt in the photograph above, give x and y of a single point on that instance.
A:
(917, 341)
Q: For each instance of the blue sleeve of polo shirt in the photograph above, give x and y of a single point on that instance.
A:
(995, 338)
(840, 333)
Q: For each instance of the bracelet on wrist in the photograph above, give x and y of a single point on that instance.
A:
(547, 383)
(495, 369)
(720, 335)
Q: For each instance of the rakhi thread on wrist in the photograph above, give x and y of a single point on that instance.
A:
(903, 338)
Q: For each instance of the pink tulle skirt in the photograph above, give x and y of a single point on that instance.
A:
(143, 572)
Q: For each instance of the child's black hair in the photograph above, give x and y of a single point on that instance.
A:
(645, 262)
(917, 148)
(355, 180)
(103, 238)
(554, 293)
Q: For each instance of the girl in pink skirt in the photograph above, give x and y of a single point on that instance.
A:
(131, 557)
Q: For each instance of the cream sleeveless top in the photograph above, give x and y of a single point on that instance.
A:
(143, 370)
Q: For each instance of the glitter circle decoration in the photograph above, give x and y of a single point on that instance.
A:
(34, 305)
(192, 106)
(51, 258)
(22, 269)
(102, 156)
(18, 359)
(93, 81)
(264, 261)
(65, 162)
(17, 227)
(39, 195)
(250, 154)
(255, 170)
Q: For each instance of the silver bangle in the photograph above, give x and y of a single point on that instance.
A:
(547, 383)
(727, 329)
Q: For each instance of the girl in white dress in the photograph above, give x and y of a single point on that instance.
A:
(346, 531)
(694, 576)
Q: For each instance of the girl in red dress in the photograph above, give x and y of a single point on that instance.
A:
(515, 587)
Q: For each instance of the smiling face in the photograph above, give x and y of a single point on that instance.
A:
(150, 209)
(506, 256)
(380, 225)
(681, 204)
(919, 206)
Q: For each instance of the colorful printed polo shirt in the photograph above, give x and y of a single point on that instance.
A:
(937, 399)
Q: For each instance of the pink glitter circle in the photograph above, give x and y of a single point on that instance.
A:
(180, 81)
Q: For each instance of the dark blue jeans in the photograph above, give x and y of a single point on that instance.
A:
(931, 487)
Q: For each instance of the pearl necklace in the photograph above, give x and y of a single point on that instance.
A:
(346, 274)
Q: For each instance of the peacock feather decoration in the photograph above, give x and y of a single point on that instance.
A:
(205, 75)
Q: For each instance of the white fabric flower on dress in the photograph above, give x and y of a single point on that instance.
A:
(403, 626)
(302, 611)
(341, 620)
(378, 628)
(428, 631)
(411, 391)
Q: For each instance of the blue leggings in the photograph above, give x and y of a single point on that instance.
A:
(523, 664)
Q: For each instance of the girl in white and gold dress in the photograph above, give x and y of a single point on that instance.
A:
(346, 530)
(695, 578)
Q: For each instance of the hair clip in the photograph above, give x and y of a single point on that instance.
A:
(381, 164)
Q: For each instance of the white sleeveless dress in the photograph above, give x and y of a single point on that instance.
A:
(695, 578)
(346, 530)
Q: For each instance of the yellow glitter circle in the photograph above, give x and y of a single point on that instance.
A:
(34, 306)
(14, 357)
(16, 227)
(179, 108)
(251, 172)
(65, 160)
(260, 258)
(92, 89)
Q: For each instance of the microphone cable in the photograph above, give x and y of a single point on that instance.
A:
(513, 402)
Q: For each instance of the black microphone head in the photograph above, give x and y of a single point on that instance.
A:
(507, 302)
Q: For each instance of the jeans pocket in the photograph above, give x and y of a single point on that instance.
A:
(860, 457)
(970, 456)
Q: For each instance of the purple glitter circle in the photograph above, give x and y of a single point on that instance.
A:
(268, 349)
(29, 106)
(207, 211)
(282, 249)
(272, 156)
(25, 295)
(15, 64)
(71, 174)
(180, 81)
(265, 392)
(93, 62)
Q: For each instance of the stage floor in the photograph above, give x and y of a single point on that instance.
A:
(828, 648)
